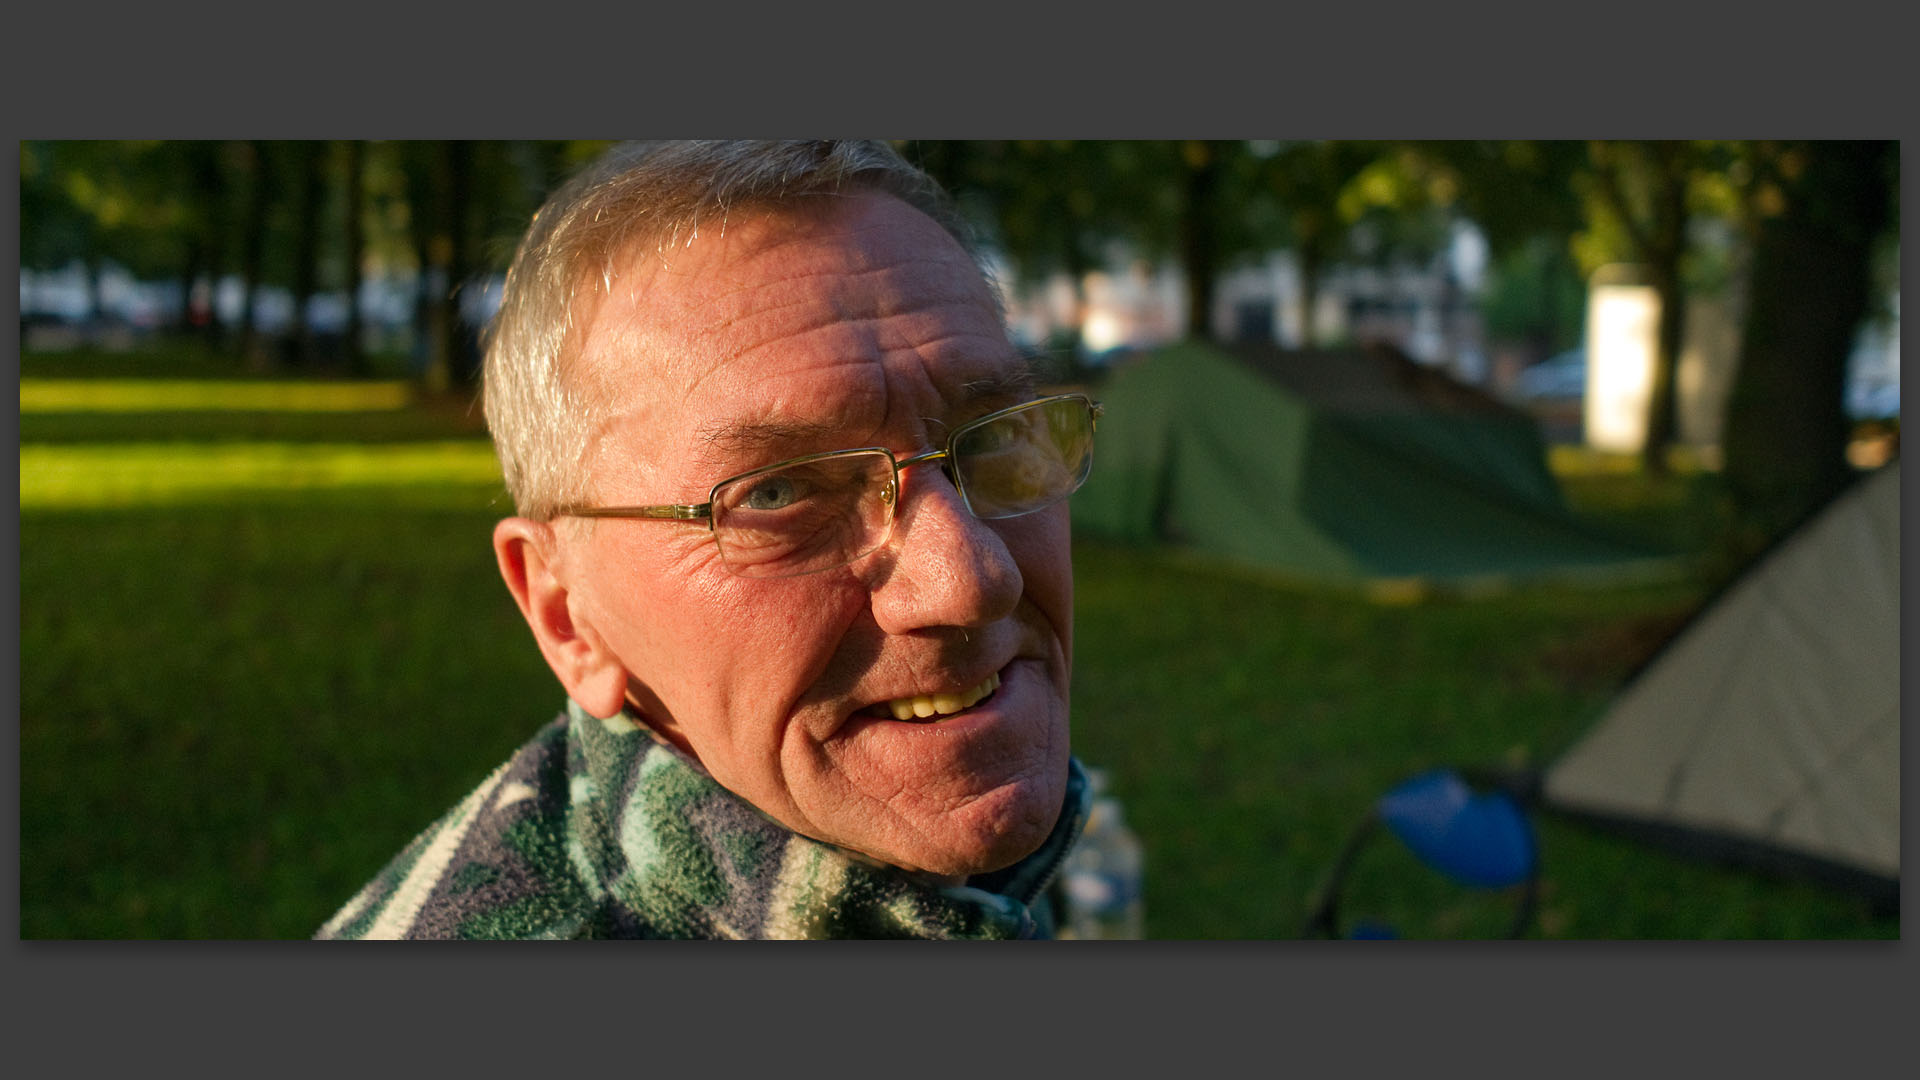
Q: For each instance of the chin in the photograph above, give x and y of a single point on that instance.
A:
(993, 833)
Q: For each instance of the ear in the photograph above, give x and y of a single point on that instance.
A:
(538, 575)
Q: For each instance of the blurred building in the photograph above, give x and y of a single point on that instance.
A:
(71, 306)
(1594, 394)
(1427, 310)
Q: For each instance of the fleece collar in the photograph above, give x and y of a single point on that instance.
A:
(664, 845)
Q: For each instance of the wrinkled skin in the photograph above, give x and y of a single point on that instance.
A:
(854, 321)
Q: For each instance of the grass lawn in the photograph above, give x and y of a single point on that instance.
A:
(261, 648)
(1248, 726)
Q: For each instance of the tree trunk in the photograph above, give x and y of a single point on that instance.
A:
(422, 203)
(306, 255)
(1662, 422)
(1659, 241)
(208, 255)
(446, 255)
(1786, 428)
(260, 157)
(463, 357)
(353, 351)
(1670, 245)
(1197, 242)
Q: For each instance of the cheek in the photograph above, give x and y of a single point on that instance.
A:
(760, 646)
(1041, 545)
(657, 598)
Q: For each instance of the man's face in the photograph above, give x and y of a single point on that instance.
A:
(854, 322)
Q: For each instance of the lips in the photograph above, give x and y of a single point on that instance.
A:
(931, 707)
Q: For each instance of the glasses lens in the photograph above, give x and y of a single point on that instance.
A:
(1025, 459)
(803, 516)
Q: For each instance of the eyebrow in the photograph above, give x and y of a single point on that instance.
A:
(739, 436)
(1017, 383)
(746, 436)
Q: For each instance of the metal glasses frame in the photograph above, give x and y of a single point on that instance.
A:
(704, 511)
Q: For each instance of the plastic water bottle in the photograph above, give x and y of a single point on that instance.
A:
(1102, 876)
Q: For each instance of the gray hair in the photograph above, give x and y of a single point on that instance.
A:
(541, 415)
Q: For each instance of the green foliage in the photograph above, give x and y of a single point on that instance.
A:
(55, 230)
(1057, 205)
(1631, 214)
(129, 201)
(1535, 295)
(1514, 190)
(1061, 205)
(147, 204)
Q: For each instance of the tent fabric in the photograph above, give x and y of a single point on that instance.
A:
(1350, 465)
(1773, 718)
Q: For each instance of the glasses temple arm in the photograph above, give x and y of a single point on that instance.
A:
(677, 512)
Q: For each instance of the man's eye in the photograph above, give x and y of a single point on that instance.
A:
(770, 493)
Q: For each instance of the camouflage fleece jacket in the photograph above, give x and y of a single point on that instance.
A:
(595, 829)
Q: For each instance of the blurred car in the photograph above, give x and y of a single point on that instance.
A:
(1560, 377)
(1873, 400)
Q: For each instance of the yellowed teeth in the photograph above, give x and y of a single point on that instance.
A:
(922, 706)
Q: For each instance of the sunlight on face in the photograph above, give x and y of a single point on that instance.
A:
(856, 322)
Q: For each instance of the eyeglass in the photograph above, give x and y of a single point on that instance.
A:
(825, 510)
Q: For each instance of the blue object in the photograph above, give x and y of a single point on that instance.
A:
(1481, 840)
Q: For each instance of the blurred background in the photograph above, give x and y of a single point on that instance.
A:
(1416, 455)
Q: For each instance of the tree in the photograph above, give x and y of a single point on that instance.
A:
(207, 244)
(437, 191)
(1521, 195)
(1198, 201)
(1821, 206)
(308, 223)
(1535, 298)
(1057, 205)
(1306, 181)
(255, 158)
(1200, 233)
(1643, 188)
(356, 244)
(129, 203)
(56, 227)
(1634, 202)
(1049, 206)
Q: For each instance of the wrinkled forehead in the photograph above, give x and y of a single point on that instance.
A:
(758, 277)
(858, 296)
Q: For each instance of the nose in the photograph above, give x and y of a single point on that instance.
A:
(947, 567)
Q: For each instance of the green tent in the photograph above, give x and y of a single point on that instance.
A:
(1349, 465)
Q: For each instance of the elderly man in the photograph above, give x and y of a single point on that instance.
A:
(791, 532)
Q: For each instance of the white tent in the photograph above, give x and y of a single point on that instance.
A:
(1769, 728)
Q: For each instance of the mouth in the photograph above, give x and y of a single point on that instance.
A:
(930, 708)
